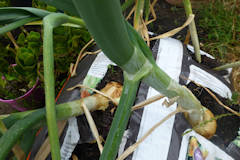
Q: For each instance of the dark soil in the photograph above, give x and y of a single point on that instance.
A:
(211, 64)
(114, 73)
(208, 62)
(168, 17)
(102, 119)
(15, 89)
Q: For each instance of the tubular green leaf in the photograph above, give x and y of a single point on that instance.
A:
(105, 22)
(19, 11)
(25, 121)
(228, 65)
(137, 40)
(49, 91)
(17, 24)
(127, 4)
(17, 16)
(29, 119)
(49, 22)
(138, 13)
(14, 117)
(193, 30)
(14, 133)
(147, 9)
(65, 5)
(120, 120)
(12, 14)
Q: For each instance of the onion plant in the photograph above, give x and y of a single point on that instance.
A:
(19, 123)
(121, 44)
(193, 30)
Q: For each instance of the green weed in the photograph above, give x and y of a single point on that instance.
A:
(220, 23)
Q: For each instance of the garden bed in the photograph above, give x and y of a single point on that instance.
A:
(227, 124)
(87, 149)
(226, 130)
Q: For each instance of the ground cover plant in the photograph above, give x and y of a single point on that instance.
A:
(24, 64)
(220, 20)
(219, 26)
(21, 56)
(126, 48)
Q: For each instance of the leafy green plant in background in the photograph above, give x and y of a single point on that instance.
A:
(4, 64)
(234, 99)
(15, 17)
(41, 5)
(24, 66)
(221, 21)
(27, 55)
(4, 3)
(122, 44)
(68, 41)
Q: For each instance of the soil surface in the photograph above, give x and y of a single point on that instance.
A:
(16, 89)
(168, 17)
